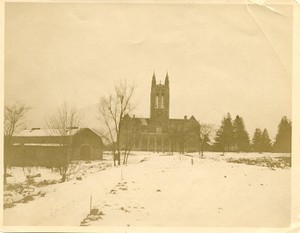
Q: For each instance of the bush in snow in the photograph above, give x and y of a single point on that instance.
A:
(277, 162)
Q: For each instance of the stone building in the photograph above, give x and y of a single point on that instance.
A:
(159, 133)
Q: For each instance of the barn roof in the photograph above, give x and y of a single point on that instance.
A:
(50, 137)
(38, 144)
(38, 132)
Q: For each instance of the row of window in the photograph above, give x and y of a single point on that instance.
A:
(166, 141)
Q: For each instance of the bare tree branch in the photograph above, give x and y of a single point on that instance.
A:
(14, 120)
(112, 110)
(14, 116)
(62, 121)
(205, 132)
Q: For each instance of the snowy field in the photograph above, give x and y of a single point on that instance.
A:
(162, 190)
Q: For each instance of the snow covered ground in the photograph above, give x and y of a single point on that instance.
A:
(164, 190)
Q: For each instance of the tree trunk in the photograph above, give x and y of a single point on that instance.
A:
(124, 159)
(127, 155)
(5, 174)
(6, 156)
(114, 156)
(63, 175)
(66, 162)
(119, 159)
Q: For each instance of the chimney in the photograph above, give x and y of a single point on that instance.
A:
(185, 117)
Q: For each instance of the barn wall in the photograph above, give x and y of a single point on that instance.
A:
(53, 156)
(96, 153)
(37, 156)
(87, 137)
(41, 139)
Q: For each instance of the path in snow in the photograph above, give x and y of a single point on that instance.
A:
(166, 191)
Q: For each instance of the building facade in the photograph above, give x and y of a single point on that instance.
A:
(46, 147)
(159, 133)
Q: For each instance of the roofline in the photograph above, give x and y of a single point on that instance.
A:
(78, 130)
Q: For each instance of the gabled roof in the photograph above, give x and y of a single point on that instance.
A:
(38, 132)
(192, 118)
(95, 131)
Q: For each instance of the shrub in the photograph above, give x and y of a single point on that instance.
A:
(27, 198)
(278, 162)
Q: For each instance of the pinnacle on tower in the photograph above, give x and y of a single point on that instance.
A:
(153, 79)
(153, 76)
(167, 79)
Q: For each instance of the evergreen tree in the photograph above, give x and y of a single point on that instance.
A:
(265, 141)
(284, 136)
(224, 136)
(204, 133)
(240, 135)
(256, 141)
(261, 141)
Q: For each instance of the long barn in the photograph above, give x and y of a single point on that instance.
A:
(46, 147)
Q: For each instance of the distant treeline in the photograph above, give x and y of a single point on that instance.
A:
(232, 136)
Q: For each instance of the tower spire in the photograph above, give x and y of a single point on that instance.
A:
(153, 76)
(167, 79)
(153, 79)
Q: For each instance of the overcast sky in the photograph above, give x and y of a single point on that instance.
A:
(220, 58)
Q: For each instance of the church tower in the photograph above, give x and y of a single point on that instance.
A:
(160, 100)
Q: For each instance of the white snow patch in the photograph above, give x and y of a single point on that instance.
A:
(167, 191)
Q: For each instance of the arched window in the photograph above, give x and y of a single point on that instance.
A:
(156, 101)
(162, 101)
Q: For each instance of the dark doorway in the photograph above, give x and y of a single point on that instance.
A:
(85, 152)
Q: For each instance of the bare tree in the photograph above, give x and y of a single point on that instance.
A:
(14, 121)
(205, 131)
(62, 121)
(128, 137)
(112, 110)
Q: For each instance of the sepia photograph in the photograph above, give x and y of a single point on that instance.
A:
(155, 114)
